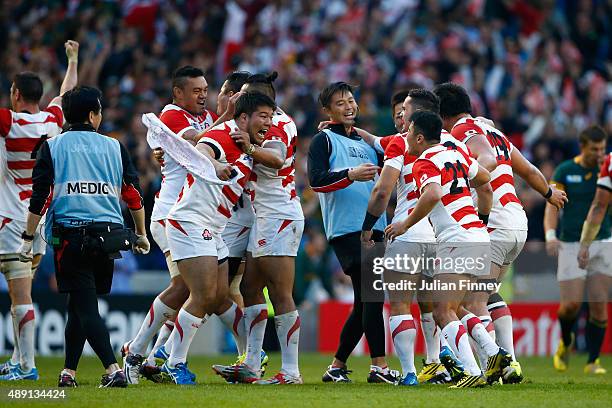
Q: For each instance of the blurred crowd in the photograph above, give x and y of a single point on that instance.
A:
(541, 69)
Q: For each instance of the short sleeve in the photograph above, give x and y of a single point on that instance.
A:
(465, 131)
(605, 175)
(559, 174)
(472, 167)
(6, 120)
(57, 113)
(394, 153)
(176, 121)
(276, 134)
(426, 172)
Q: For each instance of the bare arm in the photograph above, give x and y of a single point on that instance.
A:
(482, 151)
(536, 180)
(483, 190)
(597, 212)
(379, 198)
(367, 136)
(431, 194)
(71, 77)
(271, 155)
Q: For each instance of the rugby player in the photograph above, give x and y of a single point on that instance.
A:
(443, 174)
(578, 178)
(23, 129)
(197, 220)
(507, 222)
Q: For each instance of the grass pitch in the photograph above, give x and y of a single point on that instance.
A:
(542, 387)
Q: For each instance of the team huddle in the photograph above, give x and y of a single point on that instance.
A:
(453, 175)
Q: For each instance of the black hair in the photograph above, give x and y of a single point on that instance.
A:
(330, 90)
(235, 80)
(454, 99)
(78, 102)
(429, 124)
(249, 102)
(399, 97)
(29, 85)
(422, 99)
(179, 78)
(594, 134)
(262, 83)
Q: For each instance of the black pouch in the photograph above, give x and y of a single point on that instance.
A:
(109, 239)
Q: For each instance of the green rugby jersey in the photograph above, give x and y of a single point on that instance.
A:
(580, 184)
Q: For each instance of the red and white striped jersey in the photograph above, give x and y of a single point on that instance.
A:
(397, 157)
(605, 175)
(273, 190)
(454, 218)
(21, 135)
(507, 211)
(207, 204)
(179, 121)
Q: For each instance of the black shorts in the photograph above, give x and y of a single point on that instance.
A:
(348, 250)
(76, 269)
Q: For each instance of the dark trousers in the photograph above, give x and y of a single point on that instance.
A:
(366, 317)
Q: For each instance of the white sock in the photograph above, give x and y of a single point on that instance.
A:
(455, 334)
(232, 318)
(478, 332)
(162, 337)
(488, 324)
(288, 332)
(158, 314)
(255, 319)
(403, 332)
(16, 354)
(432, 338)
(443, 342)
(502, 320)
(26, 326)
(185, 327)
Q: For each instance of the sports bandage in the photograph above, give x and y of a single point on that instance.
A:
(589, 232)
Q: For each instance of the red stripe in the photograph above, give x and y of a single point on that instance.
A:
(23, 181)
(23, 122)
(48, 200)
(460, 333)
(449, 198)
(178, 328)
(412, 195)
(248, 173)
(408, 178)
(463, 212)
(242, 231)
(501, 180)
(178, 226)
(474, 224)
(262, 316)
(227, 191)
(509, 198)
(293, 328)
(500, 312)
(58, 255)
(490, 327)
(26, 318)
(286, 171)
(24, 195)
(163, 224)
(238, 315)
(403, 326)
(21, 164)
(490, 230)
(287, 180)
(152, 314)
(293, 194)
(284, 225)
(473, 321)
(224, 211)
(21, 144)
(169, 325)
(338, 185)
(4, 222)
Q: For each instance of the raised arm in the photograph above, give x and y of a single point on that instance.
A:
(71, 77)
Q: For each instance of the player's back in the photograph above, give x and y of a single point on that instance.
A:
(178, 121)
(507, 210)
(273, 190)
(21, 135)
(210, 204)
(454, 218)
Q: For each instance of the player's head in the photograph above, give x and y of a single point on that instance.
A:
(82, 105)
(253, 114)
(27, 88)
(232, 84)
(419, 99)
(338, 103)
(592, 142)
(190, 89)
(454, 101)
(424, 128)
(262, 83)
(396, 108)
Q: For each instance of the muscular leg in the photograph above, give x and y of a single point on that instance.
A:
(597, 287)
(401, 322)
(571, 296)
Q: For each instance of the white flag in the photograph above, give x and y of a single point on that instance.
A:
(186, 155)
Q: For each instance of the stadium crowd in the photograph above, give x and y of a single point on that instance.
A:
(540, 69)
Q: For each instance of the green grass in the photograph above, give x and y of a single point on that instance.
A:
(542, 387)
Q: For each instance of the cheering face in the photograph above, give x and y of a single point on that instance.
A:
(416, 142)
(407, 111)
(193, 95)
(342, 108)
(259, 123)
